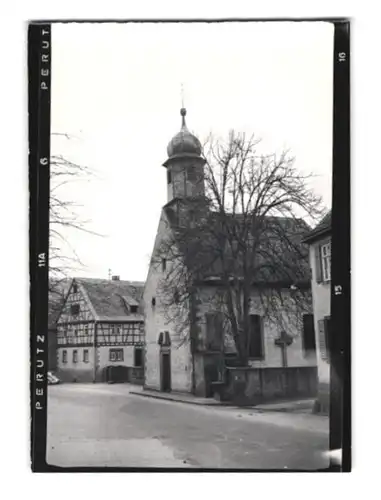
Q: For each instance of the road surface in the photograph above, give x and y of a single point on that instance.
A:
(103, 425)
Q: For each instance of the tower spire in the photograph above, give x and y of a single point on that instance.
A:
(183, 111)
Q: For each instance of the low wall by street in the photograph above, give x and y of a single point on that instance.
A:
(250, 386)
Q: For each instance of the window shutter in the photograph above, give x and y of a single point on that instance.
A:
(327, 331)
(318, 267)
(322, 336)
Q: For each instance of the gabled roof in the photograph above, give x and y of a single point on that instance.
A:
(56, 298)
(110, 298)
(282, 256)
(322, 229)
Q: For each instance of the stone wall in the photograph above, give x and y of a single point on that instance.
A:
(250, 386)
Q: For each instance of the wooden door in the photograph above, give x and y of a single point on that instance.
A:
(166, 371)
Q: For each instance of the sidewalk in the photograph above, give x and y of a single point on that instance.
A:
(176, 396)
(296, 406)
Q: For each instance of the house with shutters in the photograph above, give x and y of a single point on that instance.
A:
(100, 332)
(319, 240)
(191, 357)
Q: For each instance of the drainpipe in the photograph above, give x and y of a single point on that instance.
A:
(95, 352)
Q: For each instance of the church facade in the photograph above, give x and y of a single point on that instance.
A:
(192, 356)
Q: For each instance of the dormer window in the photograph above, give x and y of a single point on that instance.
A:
(134, 309)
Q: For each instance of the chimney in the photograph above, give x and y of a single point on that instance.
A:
(115, 278)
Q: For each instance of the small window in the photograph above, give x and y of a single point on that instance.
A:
(134, 309)
(163, 264)
(75, 356)
(75, 333)
(64, 356)
(138, 357)
(86, 329)
(86, 356)
(153, 301)
(169, 177)
(191, 173)
(75, 288)
(326, 261)
(74, 309)
(116, 355)
(115, 330)
(256, 337)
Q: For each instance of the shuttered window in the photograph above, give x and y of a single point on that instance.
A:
(319, 273)
(324, 336)
(323, 262)
(325, 252)
(214, 331)
(256, 337)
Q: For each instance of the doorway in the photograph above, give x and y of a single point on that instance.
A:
(165, 371)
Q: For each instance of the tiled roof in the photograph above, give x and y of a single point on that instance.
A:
(282, 255)
(56, 299)
(323, 227)
(111, 298)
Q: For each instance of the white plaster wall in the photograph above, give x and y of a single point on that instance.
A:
(80, 365)
(321, 297)
(104, 356)
(155, 322)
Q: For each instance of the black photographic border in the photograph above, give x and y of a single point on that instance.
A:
(39, 101)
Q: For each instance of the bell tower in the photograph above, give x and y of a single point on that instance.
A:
(185, 165)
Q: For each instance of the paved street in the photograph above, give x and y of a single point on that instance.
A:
(104, 425)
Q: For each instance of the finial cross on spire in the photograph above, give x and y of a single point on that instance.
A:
(182, 95)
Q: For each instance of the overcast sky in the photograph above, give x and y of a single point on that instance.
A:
(116, 89)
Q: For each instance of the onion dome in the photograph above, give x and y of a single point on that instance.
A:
(184, 143)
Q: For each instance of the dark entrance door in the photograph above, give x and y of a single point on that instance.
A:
(166, 371)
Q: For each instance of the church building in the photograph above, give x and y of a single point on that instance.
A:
(193, 360)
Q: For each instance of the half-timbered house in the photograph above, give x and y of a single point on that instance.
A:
(100, 332)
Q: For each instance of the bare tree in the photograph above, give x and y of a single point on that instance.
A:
(64, 217)
(246, 232)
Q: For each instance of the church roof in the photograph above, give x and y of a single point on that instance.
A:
(184, 143)
(111, 298)
(282, 256)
